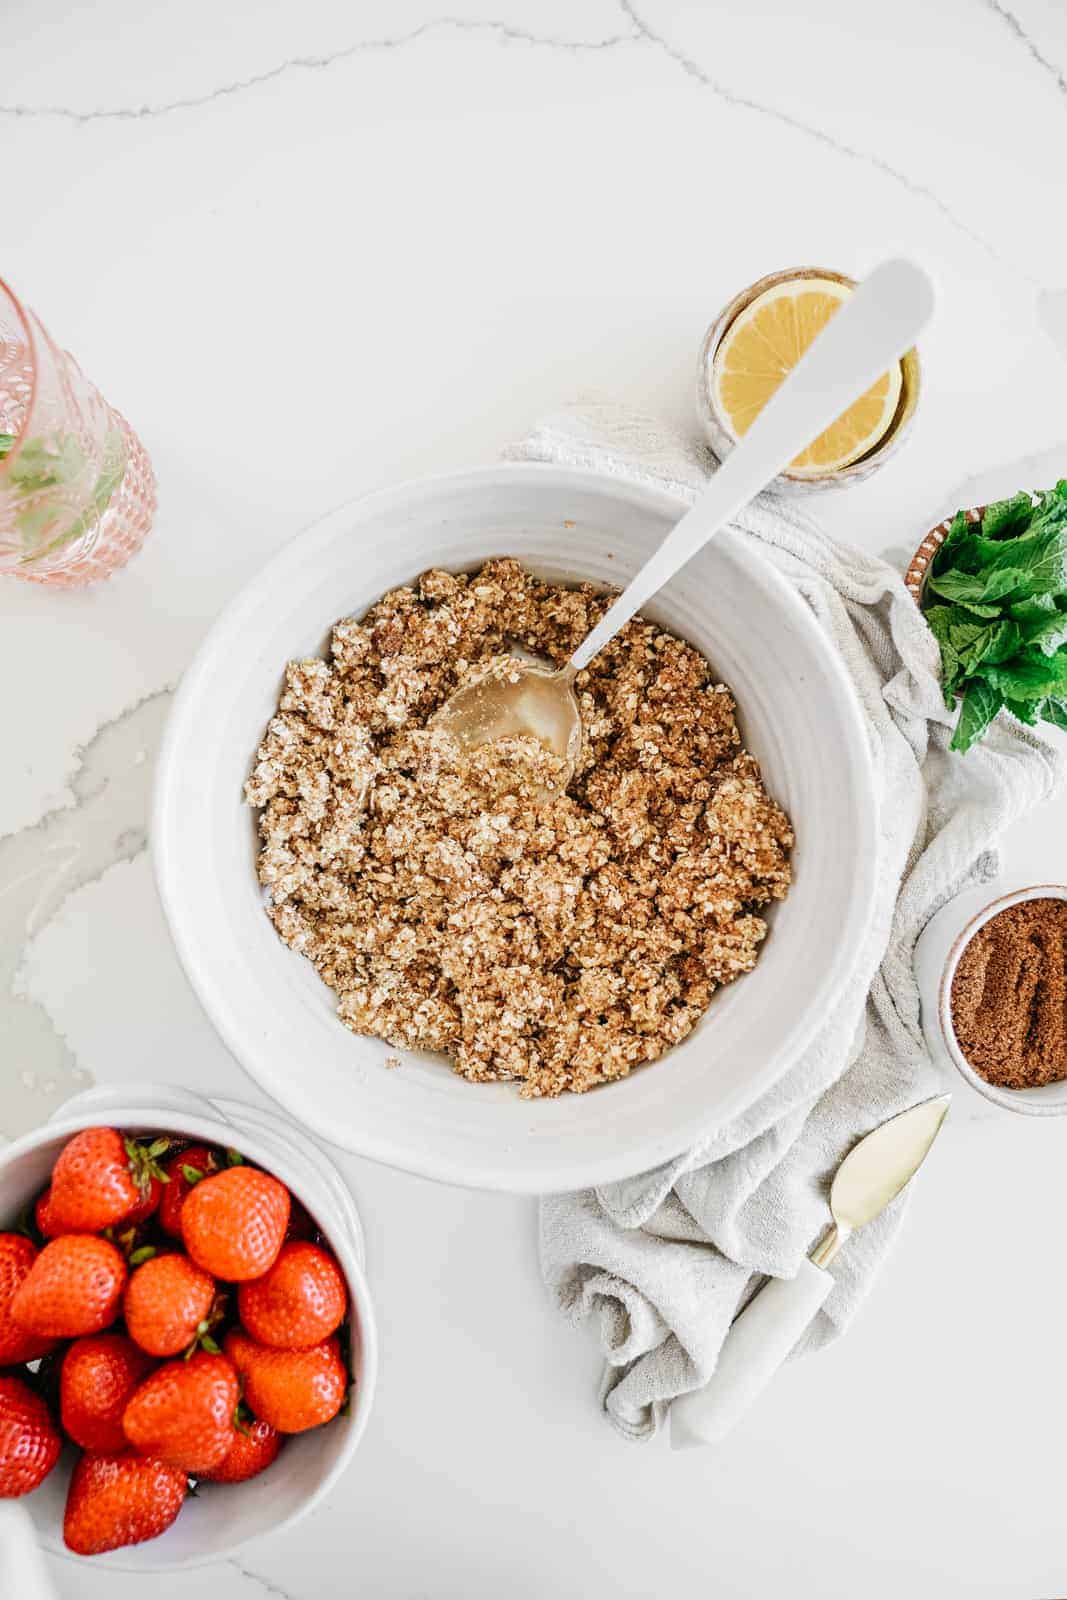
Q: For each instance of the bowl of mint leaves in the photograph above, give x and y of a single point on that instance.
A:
(995, 596)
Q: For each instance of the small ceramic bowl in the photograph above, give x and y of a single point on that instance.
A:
(722, 438)
(221, 1518)
(937, 955)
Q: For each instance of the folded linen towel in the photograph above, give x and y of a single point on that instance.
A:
(752, 1196)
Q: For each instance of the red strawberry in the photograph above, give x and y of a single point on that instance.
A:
(97, 1379)
(17, 1255)
(73, 1287)
(166, 1304)
(298, 1303)
(255, 1447)
(115, 1500)
(233, 1224)
(183, 1413)
(100, 1178)
(42, 1216)
(291, 1389)
(29, 1439)
(183, 1170)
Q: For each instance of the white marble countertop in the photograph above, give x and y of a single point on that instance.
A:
(314, 249)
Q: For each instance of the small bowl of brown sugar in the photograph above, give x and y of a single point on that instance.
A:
(995, 980)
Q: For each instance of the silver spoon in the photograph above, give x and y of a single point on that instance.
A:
(874, 328)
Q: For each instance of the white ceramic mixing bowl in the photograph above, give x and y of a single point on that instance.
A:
(221, 1518)
(798, 714)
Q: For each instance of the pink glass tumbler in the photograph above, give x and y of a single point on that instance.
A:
(77, 491)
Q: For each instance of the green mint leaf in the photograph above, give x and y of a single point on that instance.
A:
(980, 705)
(112, 471)
(1005, 518)
(1051, 505)
(1050, 635)
(991, 584)
(1040, 556)
(1008, 639)
(47, 463)
(1030, 675)
(953, 548)
(942, 620)
(1054, 710)
(145, 1253)
(1026, 710)
(977, 642)
(1035, 610)
(34, 523)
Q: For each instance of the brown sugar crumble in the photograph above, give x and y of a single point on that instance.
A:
(456, 904)
(1009, 996)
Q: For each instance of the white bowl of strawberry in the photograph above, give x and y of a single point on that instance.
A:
(187, 1345)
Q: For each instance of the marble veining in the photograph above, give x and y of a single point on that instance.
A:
(41, 866)
(263, 1583)
(1016, 27)
(641, 32)
(505, 31)
(695, 70)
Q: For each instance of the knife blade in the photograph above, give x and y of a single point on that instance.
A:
(876, 1170)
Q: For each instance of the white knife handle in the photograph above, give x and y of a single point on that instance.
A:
(758, 1341)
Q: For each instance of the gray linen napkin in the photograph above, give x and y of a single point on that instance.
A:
(751, 1197)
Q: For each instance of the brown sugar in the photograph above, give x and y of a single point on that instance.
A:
(1009, 996)
(455, 900)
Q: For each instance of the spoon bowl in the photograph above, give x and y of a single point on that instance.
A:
(518, 696)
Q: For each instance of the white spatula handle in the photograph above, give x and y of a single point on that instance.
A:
(874, 328)
(758, 1342)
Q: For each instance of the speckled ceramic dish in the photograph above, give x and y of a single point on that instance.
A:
(722, 438)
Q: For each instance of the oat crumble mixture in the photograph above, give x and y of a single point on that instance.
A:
(555, 940)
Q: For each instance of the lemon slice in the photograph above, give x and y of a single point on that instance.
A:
(765, 342)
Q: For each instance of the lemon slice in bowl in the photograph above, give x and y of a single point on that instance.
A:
(765, 342)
